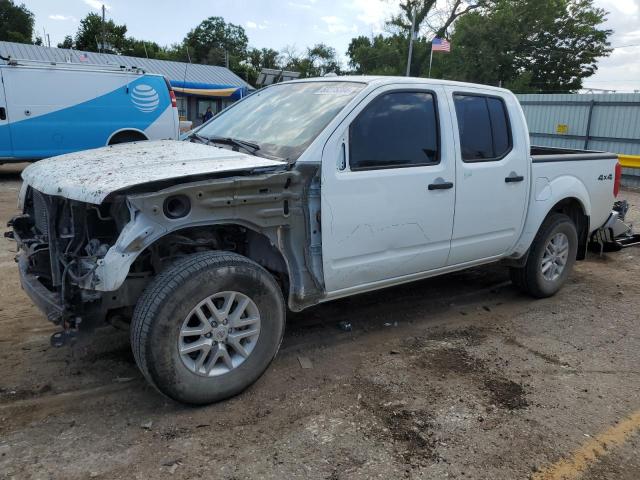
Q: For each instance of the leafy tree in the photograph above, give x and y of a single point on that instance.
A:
(529, 45)
(256, 60)
(387, 54)
(144, 49)
(214, 39)
(263, 58)
(89, 35)
(320, 60)
(316, 61)
(16, 22)
(380, 55)
(67, 42)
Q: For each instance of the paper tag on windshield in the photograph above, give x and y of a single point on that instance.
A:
(337, 91)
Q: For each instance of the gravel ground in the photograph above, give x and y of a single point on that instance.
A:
(455, 377)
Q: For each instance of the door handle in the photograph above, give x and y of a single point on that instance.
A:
(3, 113)
(440, 186)
(514, 178)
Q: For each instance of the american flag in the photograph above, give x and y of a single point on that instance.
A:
(84, 57)
(440, 45)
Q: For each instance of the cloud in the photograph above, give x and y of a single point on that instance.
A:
(338, 25)
(304, 6)
(373, 13)
(97, 4)
(58, 16)
(621, 70)
(253, 25)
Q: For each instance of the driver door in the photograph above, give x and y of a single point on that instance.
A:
(387, 191)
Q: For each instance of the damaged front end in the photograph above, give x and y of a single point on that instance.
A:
(84, 264)
(61, 243)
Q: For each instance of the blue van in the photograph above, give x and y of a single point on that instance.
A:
(49, 109)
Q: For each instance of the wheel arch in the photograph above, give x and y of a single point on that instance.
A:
(565, 194)
(271, 214)
(136, 133)
(574, 208)
(247, 240)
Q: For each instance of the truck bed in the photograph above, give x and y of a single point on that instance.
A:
(541, 154)
(589, 179)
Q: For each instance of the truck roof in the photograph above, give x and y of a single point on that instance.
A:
(390, 80)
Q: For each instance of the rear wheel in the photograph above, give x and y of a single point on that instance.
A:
(551, 258)
(207, 327)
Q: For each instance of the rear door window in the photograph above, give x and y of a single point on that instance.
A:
(483, 125)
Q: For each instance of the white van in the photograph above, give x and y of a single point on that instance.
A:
(49, 109)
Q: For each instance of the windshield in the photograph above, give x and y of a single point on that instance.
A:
(284, 119)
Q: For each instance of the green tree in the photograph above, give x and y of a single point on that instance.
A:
(437, 20)
(380, 55)
(67, 42)
(316, 61)
(387, 54)
(529, 45)
(145, 49)
(256, 60)
(320, 60)
(16, 22)
(214, 40)
(89, 35)
(263, 58)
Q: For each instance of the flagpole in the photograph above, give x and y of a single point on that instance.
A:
(431, 59)
(413, 27)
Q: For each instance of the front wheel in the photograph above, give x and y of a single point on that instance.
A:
(208, 327)
(551, 258)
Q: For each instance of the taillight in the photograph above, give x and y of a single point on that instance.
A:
(172, 95)
(616, 181)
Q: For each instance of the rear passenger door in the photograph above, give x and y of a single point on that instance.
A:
(492, 174)
(5, 136)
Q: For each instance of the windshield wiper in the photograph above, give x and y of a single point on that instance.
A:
(248, 146)
(201, 138)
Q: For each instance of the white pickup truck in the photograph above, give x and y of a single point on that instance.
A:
(301, 193)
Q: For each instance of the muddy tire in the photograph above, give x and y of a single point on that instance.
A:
(551, 258)
(208, 327)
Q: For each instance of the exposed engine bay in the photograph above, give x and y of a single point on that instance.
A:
(84, 264)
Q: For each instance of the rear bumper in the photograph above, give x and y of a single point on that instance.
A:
(48, 302)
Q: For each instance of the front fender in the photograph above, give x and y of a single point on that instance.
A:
(112, 270)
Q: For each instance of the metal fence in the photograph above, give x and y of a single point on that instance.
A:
(608, 122)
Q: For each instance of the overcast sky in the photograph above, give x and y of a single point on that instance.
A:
(300, 23)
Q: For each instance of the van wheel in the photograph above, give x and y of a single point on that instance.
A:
(208, 327)
(551, 258)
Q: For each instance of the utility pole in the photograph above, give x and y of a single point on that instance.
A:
(413, 28)
(103, 28)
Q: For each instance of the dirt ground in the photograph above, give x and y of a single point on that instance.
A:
(455, 377)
